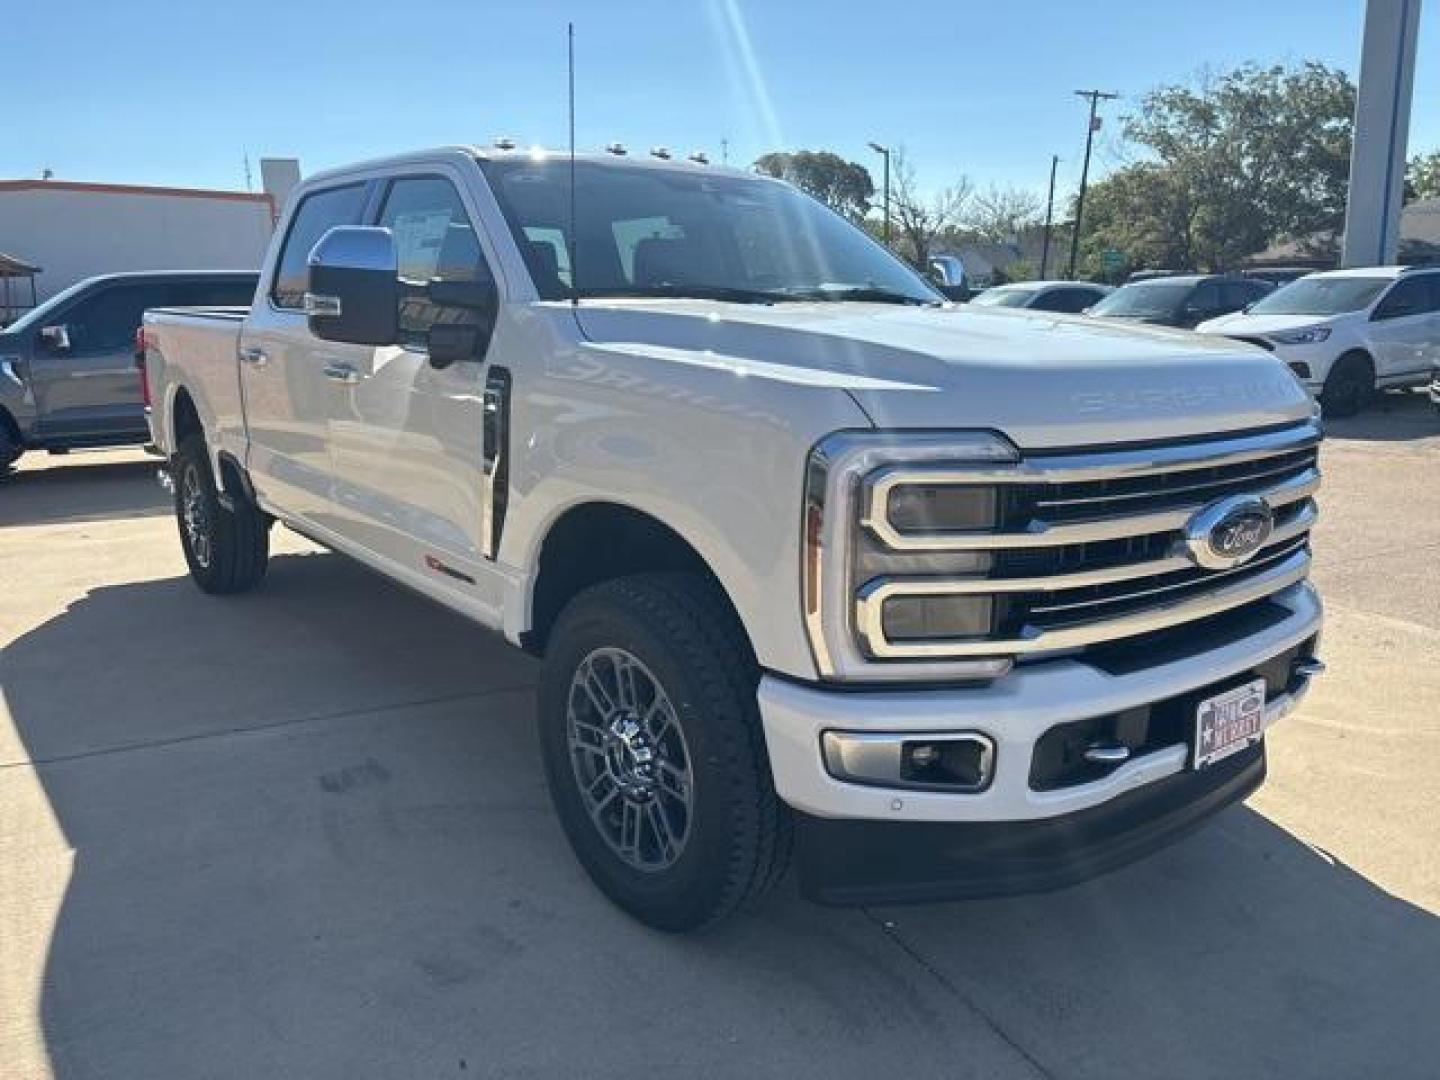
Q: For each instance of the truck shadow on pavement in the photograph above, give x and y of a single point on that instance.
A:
(306, 835)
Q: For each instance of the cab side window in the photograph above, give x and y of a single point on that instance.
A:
(434, 239)
(318, 214)
(107, 321)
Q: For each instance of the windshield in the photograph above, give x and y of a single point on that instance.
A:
(667, 232)
(1004, 297)
(1321, 296)
(1145, 298)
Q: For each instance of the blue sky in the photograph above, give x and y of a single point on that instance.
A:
(176, 93)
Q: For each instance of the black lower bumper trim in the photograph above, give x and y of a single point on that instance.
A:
(846, 862)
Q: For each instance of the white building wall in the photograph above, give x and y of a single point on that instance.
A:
(76, 232)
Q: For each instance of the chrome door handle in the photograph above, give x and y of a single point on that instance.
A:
(342, 373)
(254, 356)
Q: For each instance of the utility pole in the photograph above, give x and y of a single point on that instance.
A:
(1049, 214)
(884, 151)
(1095, 96)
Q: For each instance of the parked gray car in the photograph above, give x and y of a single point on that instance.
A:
(1070, 297)
(67, 369)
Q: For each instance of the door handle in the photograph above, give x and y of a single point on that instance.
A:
(254, 356)
(342, 373)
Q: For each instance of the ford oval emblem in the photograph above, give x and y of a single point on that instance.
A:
(1229, 531)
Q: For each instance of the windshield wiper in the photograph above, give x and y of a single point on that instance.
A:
(867, 294)
(724, 293)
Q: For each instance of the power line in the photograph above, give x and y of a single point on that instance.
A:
(1095, 96)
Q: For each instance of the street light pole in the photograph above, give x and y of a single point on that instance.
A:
(884, 152)
(1049, 215)
(1095, 97)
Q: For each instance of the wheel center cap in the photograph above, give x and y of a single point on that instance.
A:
(629, 756)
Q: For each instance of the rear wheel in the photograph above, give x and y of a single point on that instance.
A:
(226, 549)
(1349, 386)
(654, 752)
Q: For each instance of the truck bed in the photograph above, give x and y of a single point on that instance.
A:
(196, 348)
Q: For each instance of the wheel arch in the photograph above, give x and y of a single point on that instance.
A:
(594, 541)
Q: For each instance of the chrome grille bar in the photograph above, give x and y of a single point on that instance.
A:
(1034, 639)
(1079, 579)
(1042, 534)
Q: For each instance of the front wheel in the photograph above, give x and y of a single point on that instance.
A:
(654, 752)
(226, 548)
(1349, 386)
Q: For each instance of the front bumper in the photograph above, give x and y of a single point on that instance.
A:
(863, 844)
(871, 862)
(1015, 712)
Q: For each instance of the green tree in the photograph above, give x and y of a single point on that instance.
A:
(1230, 165)
(844, 186)
(1422, 177)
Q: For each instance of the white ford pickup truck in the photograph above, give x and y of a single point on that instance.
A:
(943, 602)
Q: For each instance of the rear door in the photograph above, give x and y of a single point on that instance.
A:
(286, 392)
(90, 391)
(405, 436)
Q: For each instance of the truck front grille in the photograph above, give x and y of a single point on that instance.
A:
(1091, 547)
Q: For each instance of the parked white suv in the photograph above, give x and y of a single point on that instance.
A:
(1347, 333)
(955, 601)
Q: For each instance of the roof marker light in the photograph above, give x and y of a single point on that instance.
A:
(618, 149)
(504, 142)
(661, 152)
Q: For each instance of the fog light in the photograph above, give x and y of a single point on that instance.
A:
(951, 763)
(963, 762)
(936, 618)
(1300, 368)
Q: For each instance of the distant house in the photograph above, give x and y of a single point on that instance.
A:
(1419, 243)
(68, 231)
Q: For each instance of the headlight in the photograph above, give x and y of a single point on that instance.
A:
(879, 509)
(1313, 336)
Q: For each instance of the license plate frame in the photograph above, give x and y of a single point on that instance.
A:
(1228, 722)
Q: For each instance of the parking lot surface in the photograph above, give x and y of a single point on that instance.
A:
(304, 833)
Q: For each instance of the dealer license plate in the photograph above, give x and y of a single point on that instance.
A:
(1227, 723)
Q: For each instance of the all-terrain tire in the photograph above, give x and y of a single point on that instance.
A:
(227, 549)
(680, 634)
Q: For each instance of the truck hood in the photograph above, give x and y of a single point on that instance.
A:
(1043, 380)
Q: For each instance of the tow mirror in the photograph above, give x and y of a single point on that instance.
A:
(56, 339)
(353, 289)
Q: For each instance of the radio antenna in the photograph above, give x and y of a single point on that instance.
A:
(570, 234)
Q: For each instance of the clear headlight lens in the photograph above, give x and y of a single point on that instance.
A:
(1313, 336)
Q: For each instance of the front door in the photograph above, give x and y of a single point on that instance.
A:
(88, 389)
(406, 436)
(283, 367)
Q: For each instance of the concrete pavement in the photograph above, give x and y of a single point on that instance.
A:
(304, 833)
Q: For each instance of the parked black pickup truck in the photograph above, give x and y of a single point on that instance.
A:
(67, 369)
